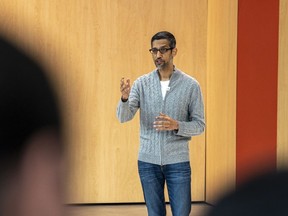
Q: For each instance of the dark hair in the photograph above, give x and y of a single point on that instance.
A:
(165, 35)
(28, 103)
(265, 195)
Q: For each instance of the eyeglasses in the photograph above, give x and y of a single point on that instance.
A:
(162, 50)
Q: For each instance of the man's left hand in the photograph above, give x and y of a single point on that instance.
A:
(165, 123)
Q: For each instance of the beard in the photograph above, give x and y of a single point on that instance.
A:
(160, 63)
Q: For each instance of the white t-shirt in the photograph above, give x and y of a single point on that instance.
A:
(164, 87)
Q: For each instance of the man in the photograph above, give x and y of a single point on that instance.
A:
(30, 138)
(171, 111)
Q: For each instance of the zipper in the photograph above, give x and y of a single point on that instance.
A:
(163, 111)
(161, 134)
(163, 102)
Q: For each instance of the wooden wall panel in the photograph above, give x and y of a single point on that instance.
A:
(88, 46)
(282, 135)
(221, 97)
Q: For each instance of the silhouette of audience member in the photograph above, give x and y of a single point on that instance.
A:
(31, 150)
(263, 196)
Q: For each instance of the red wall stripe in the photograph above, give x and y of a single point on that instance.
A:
(257, 71)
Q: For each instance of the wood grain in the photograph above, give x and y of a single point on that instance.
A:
(88, 46)
(282, 136)
(221, 98)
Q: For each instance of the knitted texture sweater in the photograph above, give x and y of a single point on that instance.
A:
(183, 102)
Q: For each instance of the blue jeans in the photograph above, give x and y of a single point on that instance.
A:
(178, 180)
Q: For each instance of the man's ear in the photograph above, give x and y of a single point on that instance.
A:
(174, 52)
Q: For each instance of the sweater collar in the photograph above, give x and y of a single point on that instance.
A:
(174, 74)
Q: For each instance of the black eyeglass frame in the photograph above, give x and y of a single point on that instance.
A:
(162, 50)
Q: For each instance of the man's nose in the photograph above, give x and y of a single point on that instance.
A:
(159, 54)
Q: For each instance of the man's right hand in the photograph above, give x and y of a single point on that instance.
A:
(125, 89)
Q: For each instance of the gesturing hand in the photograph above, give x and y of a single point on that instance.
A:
(164, 123)
(125, 88)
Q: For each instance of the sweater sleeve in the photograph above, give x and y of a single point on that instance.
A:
(196, 123)
(127, 110)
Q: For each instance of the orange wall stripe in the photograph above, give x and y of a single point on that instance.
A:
(257, 69)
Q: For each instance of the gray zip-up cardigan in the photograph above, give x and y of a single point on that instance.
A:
(183, 102)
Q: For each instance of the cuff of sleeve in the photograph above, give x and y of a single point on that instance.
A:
(176, 132)
(124, 100)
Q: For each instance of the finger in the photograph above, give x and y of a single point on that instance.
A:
(163, 118)
(126, 88)
(127, 84)
(159, 127)
(159, 117)
(123, 87)
(122, 82)
(161, 124)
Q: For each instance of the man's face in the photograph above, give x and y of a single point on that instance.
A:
(162, 60)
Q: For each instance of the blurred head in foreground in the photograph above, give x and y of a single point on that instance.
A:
(263, 196)
(30, 138)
